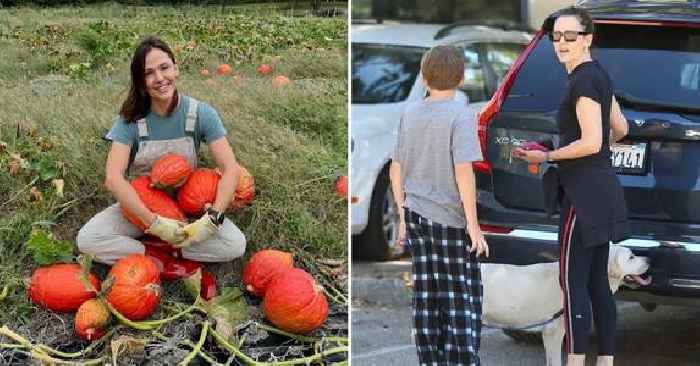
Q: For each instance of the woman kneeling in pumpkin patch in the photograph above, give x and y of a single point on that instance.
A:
(155, 120)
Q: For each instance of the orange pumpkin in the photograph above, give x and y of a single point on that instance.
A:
(91, 319)
(204, 72)
(264, 69)
(295, 303)
(341, 187)
(58, 287)
(263, 267)
(198, 190)
(157, 201)
(170, 170)
(136, 290)
(280, 81)
(223, 69)
(245, 190)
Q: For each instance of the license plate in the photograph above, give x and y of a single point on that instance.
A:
(629, 159)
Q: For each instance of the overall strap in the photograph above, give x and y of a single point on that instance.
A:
(191, 119)
(143, 128)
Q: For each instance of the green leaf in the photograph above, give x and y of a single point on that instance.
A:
(228, 309)
(46, 250)
(46, 167)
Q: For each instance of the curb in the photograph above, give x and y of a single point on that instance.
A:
(381, 284)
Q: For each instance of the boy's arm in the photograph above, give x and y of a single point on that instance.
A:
(466, 184)
(395, 176)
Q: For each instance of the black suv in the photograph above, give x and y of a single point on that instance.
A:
(652, 53)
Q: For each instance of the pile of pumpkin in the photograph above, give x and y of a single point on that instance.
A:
(195, 189)
(134, 292)
(292, 300)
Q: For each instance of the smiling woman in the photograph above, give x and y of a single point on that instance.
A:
(155, 120)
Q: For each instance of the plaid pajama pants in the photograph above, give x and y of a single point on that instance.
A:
(447, 293)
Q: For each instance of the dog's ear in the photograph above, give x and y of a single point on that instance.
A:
(616, 262)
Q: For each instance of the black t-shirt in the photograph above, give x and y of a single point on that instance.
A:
(590, 182)
(587, 80)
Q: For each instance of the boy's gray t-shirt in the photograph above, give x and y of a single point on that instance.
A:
(433, 137)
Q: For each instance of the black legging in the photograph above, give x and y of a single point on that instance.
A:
(584, 281)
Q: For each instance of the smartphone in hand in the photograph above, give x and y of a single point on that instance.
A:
(532, 145)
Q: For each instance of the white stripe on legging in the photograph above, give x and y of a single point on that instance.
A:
(568, 288)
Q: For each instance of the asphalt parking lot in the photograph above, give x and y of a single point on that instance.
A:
(381, 334)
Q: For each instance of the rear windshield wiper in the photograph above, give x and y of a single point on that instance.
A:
(647, 104)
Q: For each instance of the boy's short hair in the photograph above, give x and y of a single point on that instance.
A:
(443, 67)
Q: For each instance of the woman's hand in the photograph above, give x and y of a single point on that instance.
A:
(531, 156)
(199, 231)
(479, 244)
(172, 231)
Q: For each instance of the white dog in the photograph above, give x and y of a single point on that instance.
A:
(516, 297)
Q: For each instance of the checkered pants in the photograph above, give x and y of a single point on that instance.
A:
(447, 293)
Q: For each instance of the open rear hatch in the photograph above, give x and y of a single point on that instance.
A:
(656, 74)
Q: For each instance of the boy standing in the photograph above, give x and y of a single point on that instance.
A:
(432, 167)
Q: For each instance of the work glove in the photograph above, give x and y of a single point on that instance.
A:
(167, 229)
(199, 231)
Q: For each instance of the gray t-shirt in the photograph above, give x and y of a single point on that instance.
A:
(433, 137)
(208, 127)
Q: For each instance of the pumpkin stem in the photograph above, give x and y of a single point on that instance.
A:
(3, 294)
(85, 261)
(301, 337)
(150, 324)
(197, 347)
(154, 287)
(106, 286)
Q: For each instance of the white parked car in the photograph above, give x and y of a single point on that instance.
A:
(385, 76)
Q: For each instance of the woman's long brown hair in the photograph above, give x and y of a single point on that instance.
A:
(138, 102)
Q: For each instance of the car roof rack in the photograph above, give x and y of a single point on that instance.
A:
(501, 24)
(374, 21)
(624, 2)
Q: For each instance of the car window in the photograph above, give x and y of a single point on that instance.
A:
(500, 56)
(485, 65)
(646, 63)
(383, 73)
(474, 85)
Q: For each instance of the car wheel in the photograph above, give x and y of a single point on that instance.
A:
(379, 238)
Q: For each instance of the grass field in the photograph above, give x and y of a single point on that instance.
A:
(64, 73)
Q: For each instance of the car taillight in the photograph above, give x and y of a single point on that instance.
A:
(485, 116)
(495, 229)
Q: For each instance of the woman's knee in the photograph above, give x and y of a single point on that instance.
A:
(85, 240)
(235, 246)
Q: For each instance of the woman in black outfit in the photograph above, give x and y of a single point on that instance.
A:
(593, 207)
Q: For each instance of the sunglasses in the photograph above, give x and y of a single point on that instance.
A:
(569, 36)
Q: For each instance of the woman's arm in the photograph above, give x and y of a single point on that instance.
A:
(227, 164)
(618, 123)
(122, 191)
(590, 123)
